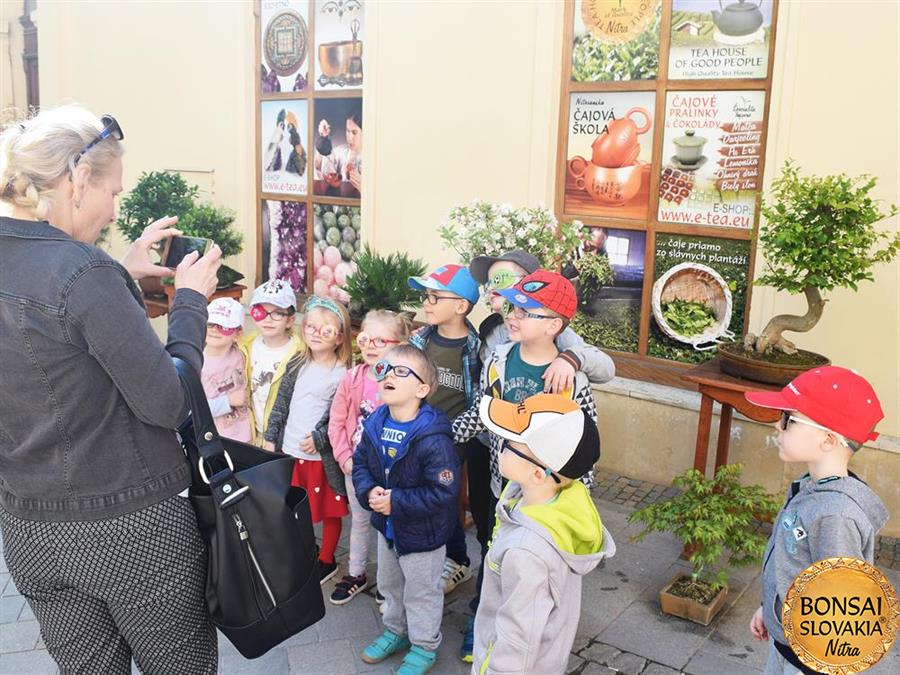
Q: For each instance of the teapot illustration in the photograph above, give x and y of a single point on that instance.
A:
(619, 146)
(738, 18)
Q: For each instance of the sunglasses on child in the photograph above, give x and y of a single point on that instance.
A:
(506, 446)
(227, 332)
(519, 313)
(382, 368)
(259, 313)
(364, 340)
(787, 417)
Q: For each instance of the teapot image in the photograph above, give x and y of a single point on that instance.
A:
(738, 18)
(610, 186)
(619, 146)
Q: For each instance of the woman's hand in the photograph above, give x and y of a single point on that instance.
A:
(137, 258)
(307, 446)
(758, 627)
(355, 178)
(324, 129)
(199, 274)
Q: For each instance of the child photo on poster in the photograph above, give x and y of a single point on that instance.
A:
(338, 142)
(609, 154)
(283, 125)
(284, 45)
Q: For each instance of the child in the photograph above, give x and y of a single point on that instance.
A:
(268, 351)
(827, 415)
(405, 470)
(451, 343)
(304, 398)
(224, 373)
(548, 535)
(356, 398)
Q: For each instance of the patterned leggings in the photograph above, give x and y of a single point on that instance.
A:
(108, 590)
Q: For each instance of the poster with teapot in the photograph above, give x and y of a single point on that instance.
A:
(285, 44)
(711, 158)
(712, 39)
(608, 155)
(615, 40)
(283, 128)
(339, 44)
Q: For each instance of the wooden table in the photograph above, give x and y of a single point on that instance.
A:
(159, 305)
(714, 385)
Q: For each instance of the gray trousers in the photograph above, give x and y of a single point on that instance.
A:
(105, 591)
(777, 665)
(413, 593)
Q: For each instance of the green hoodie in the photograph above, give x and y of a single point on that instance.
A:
(531, 593)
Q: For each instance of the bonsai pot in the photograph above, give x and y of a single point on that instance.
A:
(777, 369)
(688, 608)
(152, 286)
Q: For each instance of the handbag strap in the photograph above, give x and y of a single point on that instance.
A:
(209, 444)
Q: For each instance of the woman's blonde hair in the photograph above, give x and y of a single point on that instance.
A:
(36, 153)
(344, 348)
(399, 324)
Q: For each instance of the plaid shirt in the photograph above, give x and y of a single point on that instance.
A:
(470, 361)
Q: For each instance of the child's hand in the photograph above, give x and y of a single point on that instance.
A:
(347, 467)
(559, 376)
(237, 397)
(268, 446)
(757, 627)
(375, 493)
(307, 446)
(381, 503)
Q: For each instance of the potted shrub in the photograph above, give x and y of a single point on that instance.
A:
(380, 282)
(594, 272)
(710, 517)
(818, 235)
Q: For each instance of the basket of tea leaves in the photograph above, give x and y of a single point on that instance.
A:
(692, 304)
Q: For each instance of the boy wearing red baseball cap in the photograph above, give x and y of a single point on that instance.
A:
(827, 414)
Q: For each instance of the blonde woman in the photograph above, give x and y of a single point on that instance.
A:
(95, 533)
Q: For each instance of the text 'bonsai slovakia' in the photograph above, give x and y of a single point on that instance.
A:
(818, 236)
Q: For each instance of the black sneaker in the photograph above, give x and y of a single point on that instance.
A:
(347, 588)
(327, 570)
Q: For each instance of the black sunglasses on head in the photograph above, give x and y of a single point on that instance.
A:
(111, 129)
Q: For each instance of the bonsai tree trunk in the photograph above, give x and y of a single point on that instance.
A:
(772, 338)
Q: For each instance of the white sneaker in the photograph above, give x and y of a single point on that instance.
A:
(454, 574)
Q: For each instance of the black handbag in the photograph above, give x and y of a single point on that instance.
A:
(262, 584)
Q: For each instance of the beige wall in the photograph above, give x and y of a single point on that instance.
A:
(12, 73)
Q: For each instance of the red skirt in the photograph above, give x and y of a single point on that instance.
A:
(323, 501)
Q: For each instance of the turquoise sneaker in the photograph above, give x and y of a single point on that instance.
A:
(385, 644)
(468, 643)
(417, 661)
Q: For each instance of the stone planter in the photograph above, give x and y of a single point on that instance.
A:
(686, 608)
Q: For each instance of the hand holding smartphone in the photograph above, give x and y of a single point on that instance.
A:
(177, 248)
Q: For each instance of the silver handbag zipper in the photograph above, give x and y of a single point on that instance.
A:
(245, 536)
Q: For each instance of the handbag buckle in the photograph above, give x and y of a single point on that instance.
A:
(203, 470)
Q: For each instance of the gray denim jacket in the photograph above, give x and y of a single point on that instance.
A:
(89, 396)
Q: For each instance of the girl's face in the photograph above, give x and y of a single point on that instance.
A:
(216, 338)
(276, 324)
(375, 331)
(322, 331)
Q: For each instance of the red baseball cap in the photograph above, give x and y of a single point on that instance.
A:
(834, 397)
(544, 289)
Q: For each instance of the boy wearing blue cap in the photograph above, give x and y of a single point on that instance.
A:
(451, 343)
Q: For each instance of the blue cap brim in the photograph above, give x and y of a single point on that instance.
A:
(427, 284)
(519, 299)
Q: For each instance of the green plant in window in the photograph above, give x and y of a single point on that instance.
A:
(596, 61)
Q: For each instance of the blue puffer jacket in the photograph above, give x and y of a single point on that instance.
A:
(422, 480)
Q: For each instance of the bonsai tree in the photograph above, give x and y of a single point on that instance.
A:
(380, 282)
(819, 235)
(157, 194)
(711, 516)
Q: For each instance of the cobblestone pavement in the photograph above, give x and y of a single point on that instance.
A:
(621, 628)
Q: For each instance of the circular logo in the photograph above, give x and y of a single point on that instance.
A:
(617, 21)
(841, 616)
(285, 42)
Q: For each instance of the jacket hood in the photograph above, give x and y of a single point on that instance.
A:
(570, 523)
(428, 422)
(862, 495)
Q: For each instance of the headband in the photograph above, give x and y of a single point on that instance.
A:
(318, 302)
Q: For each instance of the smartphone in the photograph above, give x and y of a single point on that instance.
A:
(178, 247)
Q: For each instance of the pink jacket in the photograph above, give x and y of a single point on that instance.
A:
(345, 413)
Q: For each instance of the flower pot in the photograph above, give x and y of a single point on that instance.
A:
(687, 608)
(779, 370)
(152, 286)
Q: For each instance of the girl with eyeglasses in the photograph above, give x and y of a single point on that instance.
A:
(356, 398)
(298, 424)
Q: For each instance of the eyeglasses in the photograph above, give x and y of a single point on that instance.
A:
(787, 417)
(502, 280)
(382, 368)
(519, 313)
(325, 332)
(259, 313)
(364, 339)
(111, 129)
(506, 446)
(227, 332)
(432, 298)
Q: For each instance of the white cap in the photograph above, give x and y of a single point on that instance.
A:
(275, 292)
(226, 312)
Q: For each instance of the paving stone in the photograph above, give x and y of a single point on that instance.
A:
(704, 663)
(659, 669)
(333, 656)
(731, 637)
(597, 669)
(10, 589)
(601, 653)
(37, 662)
(628, 664)
(349, 620)
(27, 614)
(575, 663)
(10, 608)
(273, 661)
(19, 637)
(580, 643)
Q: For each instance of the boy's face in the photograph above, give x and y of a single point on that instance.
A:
(218, 337)
(441, 307)
(523, 328)
(803, 443)
(275, 325)
(501, 275)
(396, 390)
(515, 468)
